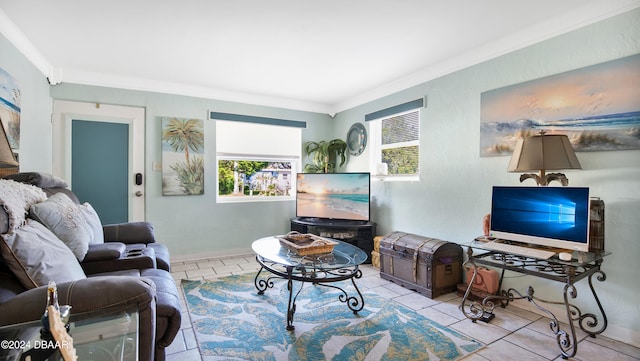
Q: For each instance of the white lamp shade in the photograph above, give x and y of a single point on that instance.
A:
(543, 152)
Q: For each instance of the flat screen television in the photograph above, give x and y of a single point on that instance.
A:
(335, 196)
(547, 216)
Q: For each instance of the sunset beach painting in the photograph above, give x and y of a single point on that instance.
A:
(597, 107)
(333, 195)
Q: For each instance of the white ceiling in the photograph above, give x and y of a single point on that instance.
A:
(323, 56)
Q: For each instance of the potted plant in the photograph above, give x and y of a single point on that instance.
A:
(324, 155)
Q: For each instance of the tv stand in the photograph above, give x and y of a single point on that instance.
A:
(357, 233)
(314, 221)
(584, 265)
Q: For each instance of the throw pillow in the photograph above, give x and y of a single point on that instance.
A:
(36, 256)
(93, 220)
(16, 198)
(65, 219)
(38, 179)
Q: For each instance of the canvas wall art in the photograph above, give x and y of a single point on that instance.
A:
(182, 156)
(10, 109)
(597, 107)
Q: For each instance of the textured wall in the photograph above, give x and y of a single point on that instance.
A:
(449, 200)
(35, 115)
(453, 193)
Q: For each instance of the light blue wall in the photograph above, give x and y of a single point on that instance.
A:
(449, 200)
(197, 226)
(453, 193)
(35, 115)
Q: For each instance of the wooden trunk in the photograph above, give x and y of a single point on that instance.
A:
(429, 266)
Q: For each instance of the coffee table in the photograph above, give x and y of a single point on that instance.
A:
(321, 269)
(104, 335)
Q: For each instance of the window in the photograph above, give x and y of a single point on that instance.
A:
(395, 139)
(254, 178)
(256, 158)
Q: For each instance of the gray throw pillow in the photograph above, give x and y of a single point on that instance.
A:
(94, 223)
(66, 220)
(36, 256)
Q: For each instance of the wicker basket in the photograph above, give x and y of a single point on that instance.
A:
(306, 244)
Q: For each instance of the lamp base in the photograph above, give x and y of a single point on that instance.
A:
(544, 179)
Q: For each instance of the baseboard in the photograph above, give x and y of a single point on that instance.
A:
(212, 255)
(627, 336)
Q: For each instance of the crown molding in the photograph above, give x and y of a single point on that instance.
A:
(590, 13)
(132, 83)
(10, 31)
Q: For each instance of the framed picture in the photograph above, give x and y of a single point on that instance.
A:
(10, 98)
(597, 107)
(182, 156)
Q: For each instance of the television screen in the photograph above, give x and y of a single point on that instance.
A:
(343, 196)
(549, 216)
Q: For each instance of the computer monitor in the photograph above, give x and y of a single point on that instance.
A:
(548, 216)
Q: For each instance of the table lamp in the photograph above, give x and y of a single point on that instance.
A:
(544, 152)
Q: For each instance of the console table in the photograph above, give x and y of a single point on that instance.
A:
(583, 265)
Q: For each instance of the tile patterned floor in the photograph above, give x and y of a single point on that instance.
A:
(514, 334)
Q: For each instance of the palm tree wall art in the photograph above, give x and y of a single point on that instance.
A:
(182, 156)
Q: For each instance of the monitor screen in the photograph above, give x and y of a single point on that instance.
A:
(343, 196)
(549, 216)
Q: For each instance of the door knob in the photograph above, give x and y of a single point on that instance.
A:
(138, 194)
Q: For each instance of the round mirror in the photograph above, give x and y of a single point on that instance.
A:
(357, 139)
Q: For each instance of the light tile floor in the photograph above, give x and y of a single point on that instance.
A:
(514, 334)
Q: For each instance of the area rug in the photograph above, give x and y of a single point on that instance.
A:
(232, 321)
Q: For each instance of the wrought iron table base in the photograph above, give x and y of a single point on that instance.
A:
(588, 322)
(316, 276)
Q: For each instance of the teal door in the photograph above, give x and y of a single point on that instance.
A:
(100, 166)
(99, 149)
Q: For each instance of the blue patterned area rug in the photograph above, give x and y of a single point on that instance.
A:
(232, 322)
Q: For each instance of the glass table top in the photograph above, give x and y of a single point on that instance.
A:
(96, 336)
(344, 255)
(578, 259)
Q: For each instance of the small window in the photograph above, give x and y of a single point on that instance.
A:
(253, 178)
(396, 145)
(256, 162)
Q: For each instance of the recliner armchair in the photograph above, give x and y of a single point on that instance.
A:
(126, 245)
(128, 269)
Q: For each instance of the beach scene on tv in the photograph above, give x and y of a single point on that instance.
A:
(335, 196)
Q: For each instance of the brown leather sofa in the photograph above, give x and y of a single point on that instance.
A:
(113, 275)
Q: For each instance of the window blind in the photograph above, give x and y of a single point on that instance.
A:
(400, 108)
(257, 120)
(241, 138)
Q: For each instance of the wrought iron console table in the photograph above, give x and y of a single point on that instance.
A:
(322, 269)
(583, 265)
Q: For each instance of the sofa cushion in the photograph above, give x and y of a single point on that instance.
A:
(65, 219)
(36, 256)
(163, 260)
(130, 232)
(10, 285)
